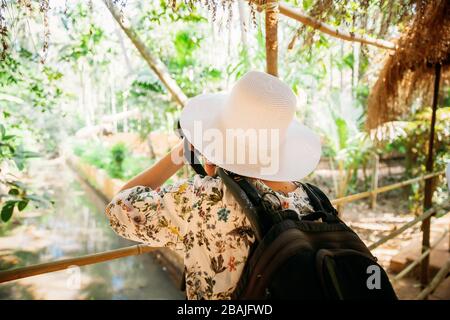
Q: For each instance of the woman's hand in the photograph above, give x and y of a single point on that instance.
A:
(177, 153)
(162, 170)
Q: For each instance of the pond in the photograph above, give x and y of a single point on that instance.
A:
(75, 226)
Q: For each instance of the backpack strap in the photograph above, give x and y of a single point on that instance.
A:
(190, 153)
(191, 157)
(321, 204)
(250, 201)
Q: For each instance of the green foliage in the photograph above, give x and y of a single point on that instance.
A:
(116, 160)
(342, 131)
(118, 154)
(348, 146)
(22, 76)
(182, 46)
(12, 152)
(8, 207)
(413, 141)
(247, 61)
(147, 94)
(352, 152)
(162, 12)
(19, 196)
(185, 44)
(85, 46)
(7, 149)
(94, 153)
(185, 67)
(7, 210)
(143, 87)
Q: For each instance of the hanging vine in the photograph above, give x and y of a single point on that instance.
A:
(3, 30)
(349, 14)
(43, 8)
(353, 16)
(11, 12)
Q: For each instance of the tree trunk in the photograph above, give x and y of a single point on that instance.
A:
(272, 37)
(153, 62)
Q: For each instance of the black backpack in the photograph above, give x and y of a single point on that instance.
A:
(304, 258)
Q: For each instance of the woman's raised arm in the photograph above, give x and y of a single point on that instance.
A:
(157, 174)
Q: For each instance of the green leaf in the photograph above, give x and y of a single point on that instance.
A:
(13, 192)
(22, 205)
(2, 130)
(7, 210)
(349, 60)
(29, 154)
(11, 148)
(342, 132)
(7, 137)
(307, 4)
(20, 163)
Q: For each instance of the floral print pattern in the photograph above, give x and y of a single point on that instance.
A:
(201, 220)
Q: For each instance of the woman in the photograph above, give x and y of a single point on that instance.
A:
(250, 131)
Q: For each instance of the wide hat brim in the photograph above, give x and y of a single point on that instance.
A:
(298, 153)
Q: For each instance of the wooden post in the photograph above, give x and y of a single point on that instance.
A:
(272, 37)
(427, 203)
(373, 198)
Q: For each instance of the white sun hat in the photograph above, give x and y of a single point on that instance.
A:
(252, 130)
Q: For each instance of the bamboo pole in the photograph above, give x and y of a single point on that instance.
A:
(298, 15)
(367, 194)
(435, 282)
(272, 37)
(53, 266)
(427, 203)
(410, 267)
(408, 225)
(153, 62)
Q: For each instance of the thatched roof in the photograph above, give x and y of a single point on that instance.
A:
(408, 73)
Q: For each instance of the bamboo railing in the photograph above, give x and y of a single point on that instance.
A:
(414, 264)
(53, 266)
(406, 226)
(367, 194)
(442, 273)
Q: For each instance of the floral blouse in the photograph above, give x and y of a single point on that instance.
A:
(201, 220)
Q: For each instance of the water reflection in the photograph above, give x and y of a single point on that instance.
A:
(77, 226)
